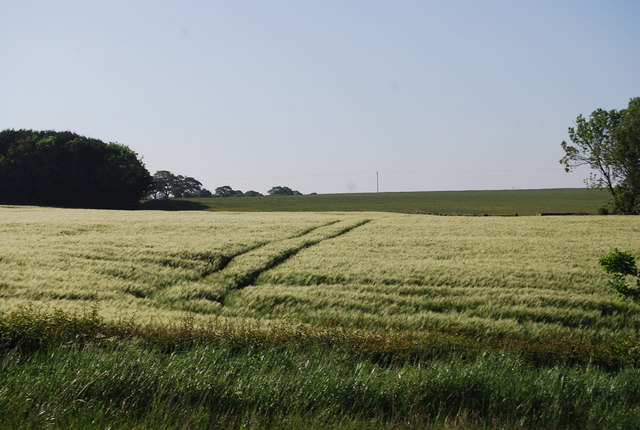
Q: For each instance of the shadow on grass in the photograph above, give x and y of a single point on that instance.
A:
(172, 205)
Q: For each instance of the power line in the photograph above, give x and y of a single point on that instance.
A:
(288, 176)
(392, 172)
(471, 171)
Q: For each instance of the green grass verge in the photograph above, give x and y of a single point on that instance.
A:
(75, 371)
(502, 202)
(27, 329)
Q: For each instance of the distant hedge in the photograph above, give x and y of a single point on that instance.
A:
(53, 168)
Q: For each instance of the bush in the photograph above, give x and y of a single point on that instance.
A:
(623, 268)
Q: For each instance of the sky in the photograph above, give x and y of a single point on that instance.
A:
(321, 95)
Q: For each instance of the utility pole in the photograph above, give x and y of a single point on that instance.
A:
(377, 183)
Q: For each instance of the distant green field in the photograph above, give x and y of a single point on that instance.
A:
(503, 202)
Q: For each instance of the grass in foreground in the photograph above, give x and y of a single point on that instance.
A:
(77, 371)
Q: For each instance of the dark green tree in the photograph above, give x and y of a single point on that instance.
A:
(283, 191)
(189, 186)
(227, 191)
(609, 143)
(627, 158)
(163, 182)
(65, 169)
(167, 185)
(204, 193)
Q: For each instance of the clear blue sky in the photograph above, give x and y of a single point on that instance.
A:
(319, 95)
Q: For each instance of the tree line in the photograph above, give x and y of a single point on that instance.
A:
(65, 169)
(168, 185)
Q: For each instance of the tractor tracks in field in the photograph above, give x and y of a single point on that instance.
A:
(226, 260)
(251, 277)
(244, 268)
(219, 263)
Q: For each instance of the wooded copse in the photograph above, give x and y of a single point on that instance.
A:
(62, 168)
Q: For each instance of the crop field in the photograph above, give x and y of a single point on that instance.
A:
(385, 271)
(143, 264)
(531, 275)
(499, 202)
(323, 319)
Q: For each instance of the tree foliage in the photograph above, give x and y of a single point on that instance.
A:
(609, 143)
(166, 185)
(283, 191)
(227, 191)
(623, 268)
(65, 169)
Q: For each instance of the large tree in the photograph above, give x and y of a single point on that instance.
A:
(227, 191)
(609, 143)
(166, 185)
(627, 156)
(163, 181)
(65, 169)
(283, 191)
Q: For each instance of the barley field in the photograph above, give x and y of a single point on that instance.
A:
(140, 319)
(367, 270)
(525, 274)
(132, 263)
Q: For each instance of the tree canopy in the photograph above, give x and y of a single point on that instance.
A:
(65, 169)
(166, 185)
(609, 143)
(283, 191)
(227, 191)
